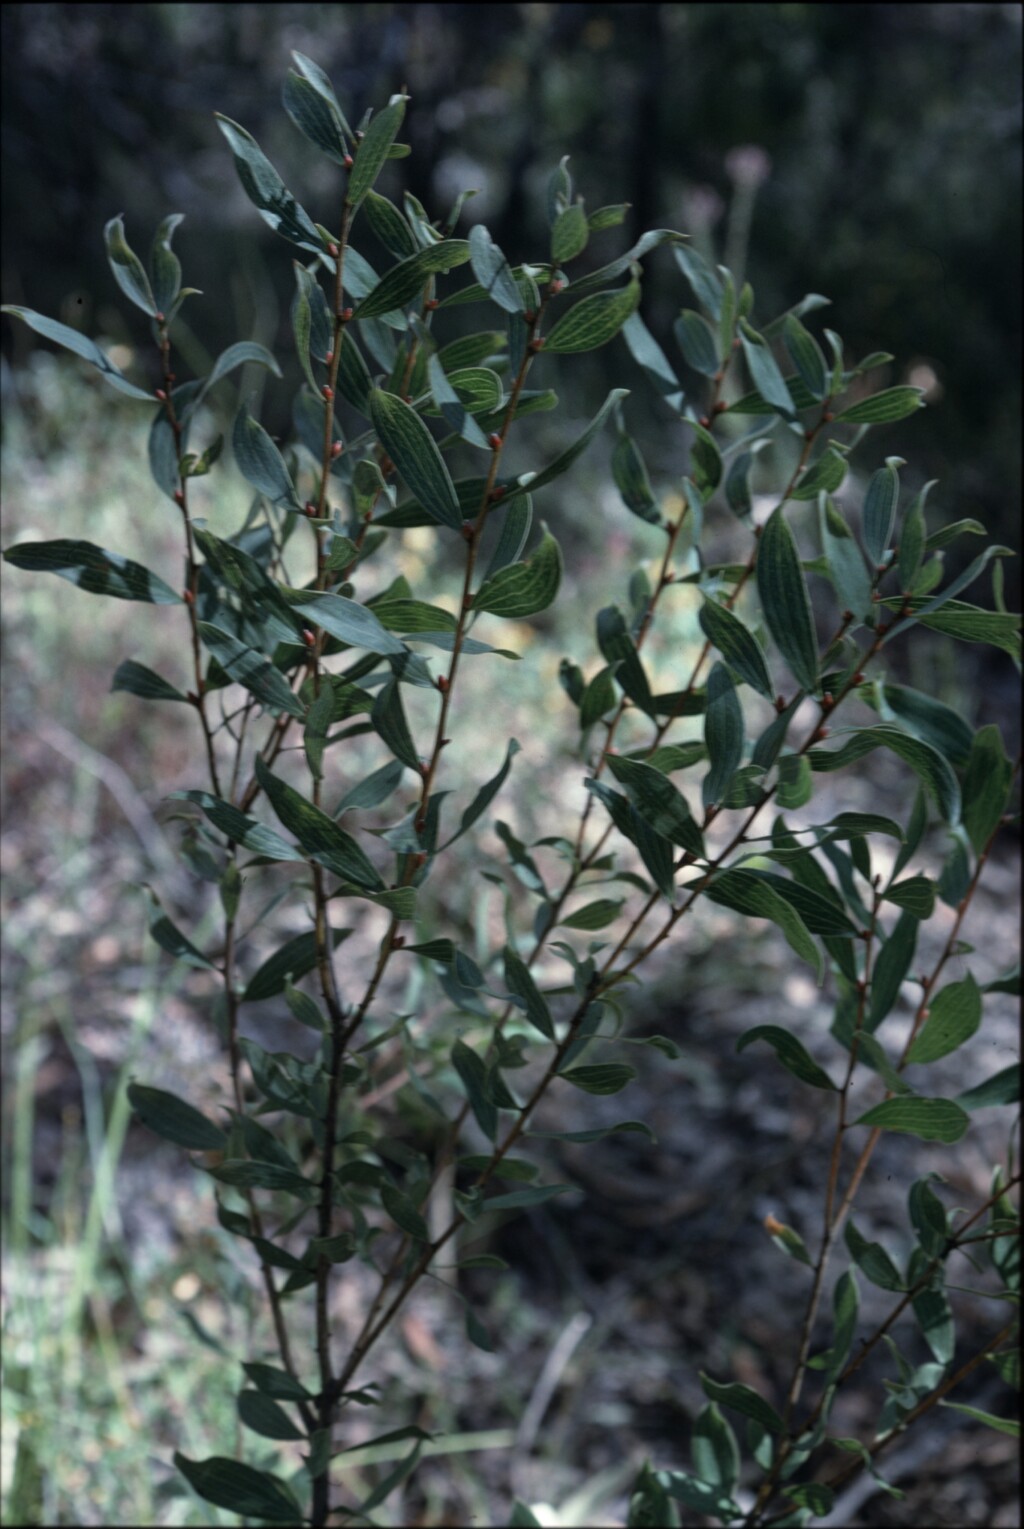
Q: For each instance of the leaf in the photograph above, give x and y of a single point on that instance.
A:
(891, 968)
(600, 1077)
(697, 341)
(929, 765)
(521, 984)
(292, 961)
(346, 620)
(986, 788)
(805, 353)
(706, 283)
(260, 462)
(388, 718)
(607, 273)
(593, 322)
(916, 893)
(823, 476)
(879, 512)
(522, 1199)
(486, 794)
(592, 916)
(597, 1134)
(265, 1417)
(723, 734)
(744, 1400)
(170, 938)
(764, 371)
(239, 354)
(737, 645)
(1001, 1425)
(92, 569)
(923, 716)
(321, 838)
(267, 191)
(1002, 1088)
(138, 680)
(452, 408)
(164, 265)
(240, 828)
(251, 669)
(658, 802)
(569, 234)
(129, 272)
(173, 1119)
(872, 1260)
(404, 1213)
(524, 588)
(321, 83)
(619, 651)
(846, 564)
(407, 280)
(492, 271)
(784, 599)
(373, 150)
(242, 1173)
(968, 623)
(714, 1450)
(883, 408)
(81, 345)
(314, 116)
(473, 1074)
(930, 1119)
(247, 1492)
(632, 482)
(954, 1016)
(646, 352)
(790, 1052)
(414, 452)
(749, 894)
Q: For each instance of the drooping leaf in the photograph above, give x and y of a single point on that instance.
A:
(388, 718)
(414, 452)
(293, 960)
(600, 1077)
(524, 588)
(1002, 1088)
(173, 1119)
(521, 984)
(872, 1259)
(252, 669)
(81, 345)
(790, 1052)
(251, 1493)
(749, 894)
(931, 768)
(723, 734)
(266, 190)
(986, 787)
(486, 794)
(565, 459)
(93, 569)
(659, 802)
(266, 1417)
(140, 681)
(784, 599)
(260, 462)
(320, 836)
(745, 1400)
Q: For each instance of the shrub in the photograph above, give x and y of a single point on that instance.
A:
(680, 769)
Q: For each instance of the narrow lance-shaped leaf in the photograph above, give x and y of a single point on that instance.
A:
(646, 352)
(632, 482)
(346, 620)
(321, 83)
(790, 1052)
(236, 355)
(784, 599)
(987, 783)
(723, 734)
(954, 1015)
(930, 766)
(260, 462)
(883, 408)
(388, 718)
(561, 464)
(749, 894)
(313, 115)
(806, 356)
(492, 271)
(230, 1484)
(128, 269)
(138, 680)
(414, 452)
(659, 802)
(764, 370)
(173, 1119)
(846, 564)
(267, 191)
(319, 835)
(486, 794)
(251, 669)
(930, 1119)
(880, 508)
(373, 150)
(522, 985)
(407, 279)
(738, 646)
(93, 569)
(81, 345)
(697, 342)
(164, 265)
(452, 408)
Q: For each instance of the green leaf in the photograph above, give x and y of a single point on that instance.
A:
(321, 838)
(373, 150)
(930, 1119)
(658, 802)
(564, 461)
(128, 269)
(293, 960)
(632, 482)
(912, 538)
(744, 1400)
(790, 1052)
(520, 983)
(414, 452)
(931, 768)
(164, 265)
(764, 371)
(260, 462)
(706, 283)
(749, 894)
(920, 714)
(486, 794)
(646, 352)
(847, 569)
(267, 191)
(597, 1134)
(81, 345)
(245, 1491)
(1002, 1088)
(473, 1074)
(170, 938)
(935, 1319)
(883, 408)
(986, 788)
(784, 599)
(593, 916)
(173, 1119)
(236, 355)
(723, 734)
(805, 354)
(318, 721)
(879, 512)
(388, 718)
(954, 1015)
(524, 588)
(915, 893)
(891, 968)
(241, 1173)
(968, 623)
(92, 569)
(600, 1077)
(240, 828)
(594, 321)
(698, 342)
(795, 787)
(314, 115)
(737, 645)
(714, 1450)
(872, 1259)
(404, 1213)
(138, 680)
(265, 1417)
(1001, 1425)
(270, 1380)
(569, 235)
(321, 83)
(390, 227)
(823, 476)
(407, 280)
(606, 273)
(451, 407)
(251, 669)
(347, 620)
(521, 1199)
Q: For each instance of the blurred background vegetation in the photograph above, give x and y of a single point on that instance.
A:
(868, 152)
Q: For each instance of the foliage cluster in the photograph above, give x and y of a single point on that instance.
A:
(398, 426)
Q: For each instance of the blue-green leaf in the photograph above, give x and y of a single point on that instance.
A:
(785, 601)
